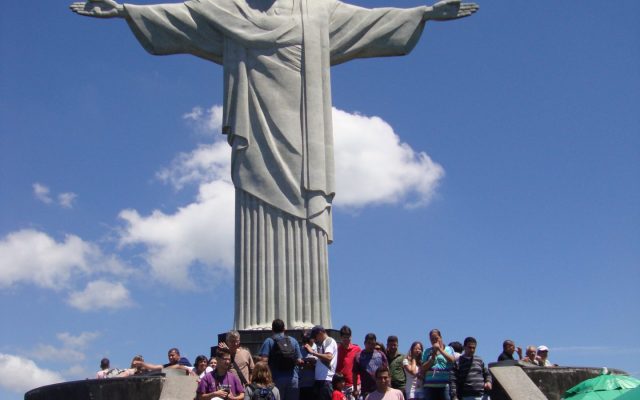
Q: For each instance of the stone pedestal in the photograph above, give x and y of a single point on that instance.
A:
(253, 339)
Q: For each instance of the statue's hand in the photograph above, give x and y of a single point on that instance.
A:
(98, 8)
(451, 9)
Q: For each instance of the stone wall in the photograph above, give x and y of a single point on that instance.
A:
(157, 387)
(556, 380)
(552, 381)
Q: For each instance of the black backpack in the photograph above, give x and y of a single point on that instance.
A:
(262, 393)
(283, 354)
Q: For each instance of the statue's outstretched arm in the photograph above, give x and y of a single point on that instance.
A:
(450, 9)
(99, 9)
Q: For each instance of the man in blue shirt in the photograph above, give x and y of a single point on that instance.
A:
(365, 365)
(282, 353)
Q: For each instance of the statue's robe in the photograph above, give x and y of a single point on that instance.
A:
(277, 115)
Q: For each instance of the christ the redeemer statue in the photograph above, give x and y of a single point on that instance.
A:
(276, 56)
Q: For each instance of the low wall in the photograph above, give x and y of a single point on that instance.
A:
(552, 381)
(140, 388)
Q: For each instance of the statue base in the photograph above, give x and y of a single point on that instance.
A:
(252, 339)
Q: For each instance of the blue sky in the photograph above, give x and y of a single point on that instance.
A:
(508, 205)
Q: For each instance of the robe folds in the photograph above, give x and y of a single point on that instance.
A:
(276, 58)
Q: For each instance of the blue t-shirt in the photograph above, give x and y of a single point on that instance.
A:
(438, 374)
(265, 350)
(366, 364)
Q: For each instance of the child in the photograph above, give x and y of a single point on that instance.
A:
(338, 386)
(261, 387)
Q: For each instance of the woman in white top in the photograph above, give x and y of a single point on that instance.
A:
(411, 364)
(201, 367)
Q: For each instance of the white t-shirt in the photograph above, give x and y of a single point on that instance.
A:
(324, 373)
(413, 387)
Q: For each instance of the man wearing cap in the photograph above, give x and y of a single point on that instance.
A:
(327, 354)
(543, 353)
(508, 348)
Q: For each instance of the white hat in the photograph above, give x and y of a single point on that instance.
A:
(543, 348)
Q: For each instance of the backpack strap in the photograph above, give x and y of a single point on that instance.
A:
(239, 371)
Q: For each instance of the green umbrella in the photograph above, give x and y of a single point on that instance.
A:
(631, 394)
(603, 387)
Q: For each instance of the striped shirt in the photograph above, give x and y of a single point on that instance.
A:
(469, 376)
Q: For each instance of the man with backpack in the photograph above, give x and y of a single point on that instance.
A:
(282, 353)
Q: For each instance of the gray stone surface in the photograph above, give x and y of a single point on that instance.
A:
(515, 384)
(553, 382)
(139, 388)
(173, 387)
(179, 388)
(276, 56)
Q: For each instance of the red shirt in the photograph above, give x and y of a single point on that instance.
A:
(338, 395)
(345, 362)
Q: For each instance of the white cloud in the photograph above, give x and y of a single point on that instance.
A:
(206, 121)
(42, 193)
(77, 372)
(80, 341)
(199, 232)
(66, 200)
(205, 164)
(100, 295)
(49, 352)
(72, 352)
(20, 374)
(31, 256)
(34, 257)
(374, 167)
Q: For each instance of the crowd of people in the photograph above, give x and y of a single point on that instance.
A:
(323, 369)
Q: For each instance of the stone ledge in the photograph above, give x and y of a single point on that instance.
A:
(150, 387)
(552, 381)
